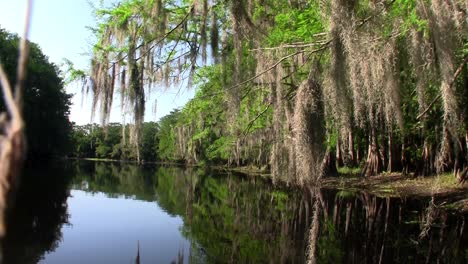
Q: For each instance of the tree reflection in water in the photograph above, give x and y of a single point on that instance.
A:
(362, 228)
(34, 223)
(237, 219)
(230, 218)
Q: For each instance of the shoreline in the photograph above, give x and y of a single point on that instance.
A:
(445, 189)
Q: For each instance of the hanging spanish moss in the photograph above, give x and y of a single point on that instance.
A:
(134, 43)
(423, 61)
(443, 24)
(336, 83)
(309, 131)
(385, 94)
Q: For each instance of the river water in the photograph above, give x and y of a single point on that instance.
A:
(92, 212)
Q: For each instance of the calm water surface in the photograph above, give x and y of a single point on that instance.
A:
(88, 212)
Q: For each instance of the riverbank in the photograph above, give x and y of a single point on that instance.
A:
(160, 163)
(445, 189)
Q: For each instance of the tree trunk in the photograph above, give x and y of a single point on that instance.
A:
(349, 210)
(374, 162)
(445, 160)
(390, 167)
(313, 235)
(404, 159)
(358, 155)
(329, 164)
(351, 156)
(426, 167)
(339, 156)
(383, 150)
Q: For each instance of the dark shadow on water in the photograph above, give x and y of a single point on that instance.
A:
(34, 223)
(362, 228)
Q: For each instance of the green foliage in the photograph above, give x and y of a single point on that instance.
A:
(349, 171)
(280, 198)
(362, 56)
(166, 136)
(296, 25)
(407, 11)
(94, 141)
(72, 74)
(149, 141)
(220, 149)
(329, 244)
(46, 104)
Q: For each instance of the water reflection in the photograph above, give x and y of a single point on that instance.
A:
(34, 224)
(361, 228)
(223, 218)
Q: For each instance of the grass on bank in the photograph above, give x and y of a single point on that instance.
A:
(349, 171)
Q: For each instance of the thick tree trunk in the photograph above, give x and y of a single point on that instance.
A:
(426, 159)
(374, 162)
(445, 160)
(329, 164)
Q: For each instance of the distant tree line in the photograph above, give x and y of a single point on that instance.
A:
(113, 142)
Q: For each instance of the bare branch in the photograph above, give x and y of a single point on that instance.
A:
(23, 56)
(7, 95)
(457, 73)
(296, 46)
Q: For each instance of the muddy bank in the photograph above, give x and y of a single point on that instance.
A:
(445, 189)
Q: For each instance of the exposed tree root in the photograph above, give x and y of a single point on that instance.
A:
(462, 176)
(374, 163)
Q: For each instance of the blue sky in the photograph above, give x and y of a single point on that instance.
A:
(59, 27)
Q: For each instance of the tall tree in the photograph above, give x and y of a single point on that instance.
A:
(46, 104)
(378, 70)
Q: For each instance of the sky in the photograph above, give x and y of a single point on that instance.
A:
(59, 27)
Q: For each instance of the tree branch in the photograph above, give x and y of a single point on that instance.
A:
(249, 126)
(457, 73)
(325, 45)
(10, 102)
(23, 56)
(12, 141)
(160, 40)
